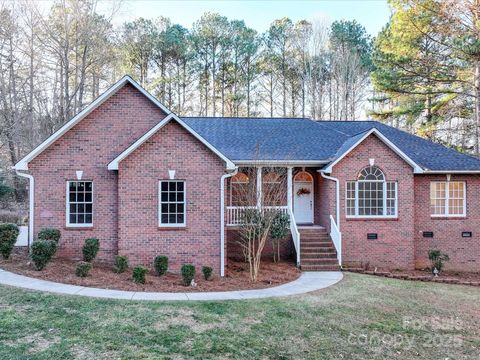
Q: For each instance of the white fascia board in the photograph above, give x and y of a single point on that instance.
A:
(416, 168)
(440, 172)
(281, 162)
(23, 163)
(113, 165)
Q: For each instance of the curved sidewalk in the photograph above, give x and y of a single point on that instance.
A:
(308, 281)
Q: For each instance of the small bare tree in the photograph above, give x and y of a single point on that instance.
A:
(260, 207)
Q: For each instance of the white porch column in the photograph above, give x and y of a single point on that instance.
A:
(289, 188)
(259, 187)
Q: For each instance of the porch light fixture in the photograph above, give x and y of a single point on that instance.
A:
(171, 174)
(79, 174)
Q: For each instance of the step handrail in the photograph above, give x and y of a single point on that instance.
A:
(295, 234)
(336, 237)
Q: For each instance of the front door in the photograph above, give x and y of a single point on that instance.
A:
(303, 198)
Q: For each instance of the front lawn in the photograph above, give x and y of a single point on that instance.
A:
(362, 317)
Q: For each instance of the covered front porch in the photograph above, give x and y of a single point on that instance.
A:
(287, 190)
(300, 192)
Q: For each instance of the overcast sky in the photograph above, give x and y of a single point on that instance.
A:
(373, 14)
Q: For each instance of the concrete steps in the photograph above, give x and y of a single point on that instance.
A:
(317, 252)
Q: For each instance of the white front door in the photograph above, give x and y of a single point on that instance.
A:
(303, 202)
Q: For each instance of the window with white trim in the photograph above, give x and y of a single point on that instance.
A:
(172, 203)
(79, 203)
(448, 198)
(371, 196)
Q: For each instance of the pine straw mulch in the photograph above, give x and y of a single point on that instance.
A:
(103, 276)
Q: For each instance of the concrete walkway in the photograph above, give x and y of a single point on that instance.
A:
(308, 281)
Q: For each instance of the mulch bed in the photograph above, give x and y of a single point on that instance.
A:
(103, 276)
(449, 277)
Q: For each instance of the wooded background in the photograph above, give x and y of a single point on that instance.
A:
(421, 73)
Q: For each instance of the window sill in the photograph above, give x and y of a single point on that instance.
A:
(459, 217)
(372, 218)
(73, 227)
(172, 228)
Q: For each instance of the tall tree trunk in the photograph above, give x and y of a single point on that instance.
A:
(477, 107)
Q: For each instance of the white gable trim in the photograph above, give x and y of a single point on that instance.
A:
(416, 168)
(114, 163)
(23, 163)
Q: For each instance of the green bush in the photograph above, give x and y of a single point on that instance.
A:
(121, 264)
(49, 234)
(437, 258)
(8, 238)
(207, 272)
(90, 249)
(83, 269)
(139, 273)
(161, 264)
(188, 274)
(42, 252)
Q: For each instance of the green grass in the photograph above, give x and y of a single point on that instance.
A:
(360, 318)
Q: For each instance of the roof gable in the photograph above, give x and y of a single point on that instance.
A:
(113, 165)
(352, 142)
(23, 163)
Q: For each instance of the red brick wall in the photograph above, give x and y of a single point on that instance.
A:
(90, 146)
(464, 252)
(235, 250)
(394, 247)
(140, 238)
(324, 201)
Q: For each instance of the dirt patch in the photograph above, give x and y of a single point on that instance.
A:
(36, 341)
(104, 276)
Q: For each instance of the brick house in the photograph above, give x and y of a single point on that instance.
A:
(147, 182)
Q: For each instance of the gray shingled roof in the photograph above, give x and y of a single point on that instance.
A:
(306, 140)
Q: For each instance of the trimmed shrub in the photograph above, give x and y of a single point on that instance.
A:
(90, 249)
(188, 274)
(139, 273)
(49, 234)
(83, 269)
(121, 264)
(42, 252)
(8, 238)
(207, 272)
(161, 264)
(437, 258)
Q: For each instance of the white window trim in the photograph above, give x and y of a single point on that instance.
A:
(67, 206)
(447, 199)
(179, 225)
(384, 184)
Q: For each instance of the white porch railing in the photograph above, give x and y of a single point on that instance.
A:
(336, 236)
(235, 214)
(295, 234)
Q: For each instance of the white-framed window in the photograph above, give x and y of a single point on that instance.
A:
(371, 196)
(448, 198)
(79, 204)
(172, 203)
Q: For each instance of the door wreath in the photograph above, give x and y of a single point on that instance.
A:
(303, 191)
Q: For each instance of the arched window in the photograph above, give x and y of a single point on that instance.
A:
(303, 176)
(371, 195)
(239, 189)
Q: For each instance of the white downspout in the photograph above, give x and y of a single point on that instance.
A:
(31, 195)
(222, 219)
(337, 192)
